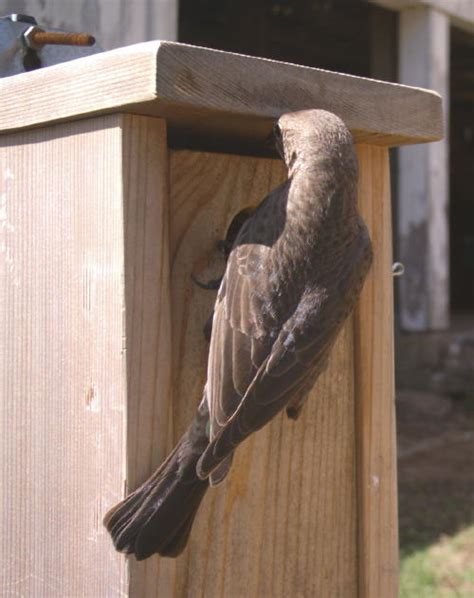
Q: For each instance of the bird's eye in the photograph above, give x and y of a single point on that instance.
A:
(277, 131)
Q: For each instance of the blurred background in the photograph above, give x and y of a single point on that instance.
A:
(425, 43)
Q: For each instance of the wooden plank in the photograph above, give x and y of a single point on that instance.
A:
(63, 383)
(148, 318)
(284, 522)
(216, 98)
(374, 387)
(86, 360)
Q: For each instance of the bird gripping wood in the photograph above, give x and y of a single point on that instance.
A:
(292, 278)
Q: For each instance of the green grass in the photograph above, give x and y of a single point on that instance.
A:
(444, 569)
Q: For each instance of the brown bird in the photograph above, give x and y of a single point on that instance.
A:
(293, 276)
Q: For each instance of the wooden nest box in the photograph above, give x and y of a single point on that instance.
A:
(120, 171)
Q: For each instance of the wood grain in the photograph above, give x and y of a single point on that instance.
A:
(284, 522)
(63, 382)
(214, 98)
(374, 386)
(147, 334)
(86, 357)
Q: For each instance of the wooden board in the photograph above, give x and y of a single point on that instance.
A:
(216, 99)
(70, 359)
(63, 385)
(375, 392)
(148, 331)
(284, 522)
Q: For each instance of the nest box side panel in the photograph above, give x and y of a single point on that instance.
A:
(147, 335)
(64, 386)
(375, 393)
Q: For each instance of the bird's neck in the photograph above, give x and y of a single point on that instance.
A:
(321, 199)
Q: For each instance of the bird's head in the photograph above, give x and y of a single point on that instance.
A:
(304, 138)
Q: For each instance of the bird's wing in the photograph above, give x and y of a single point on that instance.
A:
(291, 365)
(259, 357)
(257, 365)
(244, 323)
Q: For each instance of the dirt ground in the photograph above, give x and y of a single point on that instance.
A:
(435, 467)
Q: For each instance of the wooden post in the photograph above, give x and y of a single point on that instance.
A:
(375, 389)
(103, 224)
(423, 197)
(71, 359)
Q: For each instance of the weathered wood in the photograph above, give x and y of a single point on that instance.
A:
(284, 522)
(147, 334)
(216, 98)
(374, 387)
(73, 366)
(63, 382)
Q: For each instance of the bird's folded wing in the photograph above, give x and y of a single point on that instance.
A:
(263, 349)
(292, 364)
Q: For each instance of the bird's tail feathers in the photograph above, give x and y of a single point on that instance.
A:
(157, 517)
